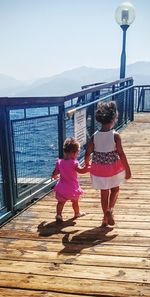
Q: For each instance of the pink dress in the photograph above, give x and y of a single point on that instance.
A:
(67, 187)
(107, 170)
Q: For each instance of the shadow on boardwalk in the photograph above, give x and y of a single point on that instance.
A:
(74, 241)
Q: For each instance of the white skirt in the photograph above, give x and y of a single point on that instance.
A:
(105, 183)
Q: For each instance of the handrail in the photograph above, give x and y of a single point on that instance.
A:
(42, 100)
(100, 87)
(71, 111)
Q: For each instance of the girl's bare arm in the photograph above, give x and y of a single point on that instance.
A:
(89, 150)
(55, 173)
(122, 155)
(83, 170)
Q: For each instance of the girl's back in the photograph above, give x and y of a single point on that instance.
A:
(67, 169)
(104, 141)
(68, 184)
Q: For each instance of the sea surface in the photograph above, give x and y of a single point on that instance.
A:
(35, 145)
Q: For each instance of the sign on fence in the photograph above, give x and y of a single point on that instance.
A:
(80, 126)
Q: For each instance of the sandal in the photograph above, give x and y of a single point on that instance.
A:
(59, 218)
(79, 215)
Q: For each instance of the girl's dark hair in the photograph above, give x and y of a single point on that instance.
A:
(106, 112)
(71, 145)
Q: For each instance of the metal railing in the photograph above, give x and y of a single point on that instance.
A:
(32, 133)
(142, 98)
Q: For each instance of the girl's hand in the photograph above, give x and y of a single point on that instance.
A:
(88, 167)
(55, 176)
(128, 174)
(88, 164)
(84, 169)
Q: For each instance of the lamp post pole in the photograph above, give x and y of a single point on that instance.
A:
(123, 54)
(125, 15)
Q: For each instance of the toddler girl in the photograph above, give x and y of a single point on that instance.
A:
(67, 187)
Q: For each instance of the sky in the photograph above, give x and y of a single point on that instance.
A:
(41, 38)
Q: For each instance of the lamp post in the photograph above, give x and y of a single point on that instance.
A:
(124, 15)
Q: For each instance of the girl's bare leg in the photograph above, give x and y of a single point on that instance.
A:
(76, 208)
(112, 201)
(104, 200)
(105, 204)
(113, 197)
(59, 209)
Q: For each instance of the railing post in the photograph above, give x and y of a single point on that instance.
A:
(93, 115)
(61, 129)
(126, 107)
(113, 91)
(143, 98)
(7, 159)
(139, 99)
(131, 99)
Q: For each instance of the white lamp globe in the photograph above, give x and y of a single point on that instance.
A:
(125, 14)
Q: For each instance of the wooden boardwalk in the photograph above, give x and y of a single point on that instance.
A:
(41, 259)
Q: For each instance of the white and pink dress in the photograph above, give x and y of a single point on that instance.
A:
(107, 170)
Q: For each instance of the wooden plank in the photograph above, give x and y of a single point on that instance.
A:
(76, 285)
(88, 272)
(5, 292)
(114, 239)
(21, 246)
(121, 222)
(64, 258)
(81, 232)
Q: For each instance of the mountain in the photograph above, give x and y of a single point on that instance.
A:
(9, 85)
(52, 87)
(140, 71)
(68, 82)
(139, 68)
(71, 81)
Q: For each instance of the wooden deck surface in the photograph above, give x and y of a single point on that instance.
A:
(40, 258)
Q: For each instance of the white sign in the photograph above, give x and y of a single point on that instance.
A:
(80, 126)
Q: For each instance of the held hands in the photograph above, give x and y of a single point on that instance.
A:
(84, 169)
(87, 167)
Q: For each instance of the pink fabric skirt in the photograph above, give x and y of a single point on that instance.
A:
(62, 198)
(106, 170)
(107, 176)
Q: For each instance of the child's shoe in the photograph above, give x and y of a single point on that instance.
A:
(59, 218)
(110, 217)
(79, 215)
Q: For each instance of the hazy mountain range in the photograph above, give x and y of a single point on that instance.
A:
(70, 81)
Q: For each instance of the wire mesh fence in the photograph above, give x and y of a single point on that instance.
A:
(32, 134)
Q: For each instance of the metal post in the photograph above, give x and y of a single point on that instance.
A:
(93, 115)
(61, 129)
(7, 166)
(123, 54)
(132, 102)
(143, 98)
(113, 91)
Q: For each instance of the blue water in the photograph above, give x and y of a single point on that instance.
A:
(36, 144)
(35, 148)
